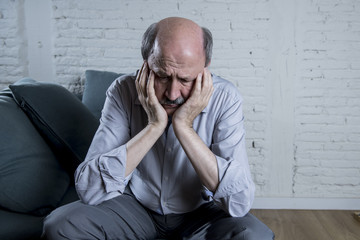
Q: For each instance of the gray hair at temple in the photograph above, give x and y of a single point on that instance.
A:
(150, 35)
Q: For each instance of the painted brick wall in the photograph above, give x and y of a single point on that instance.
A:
(13, 59)
(327, 110)
(296, 63)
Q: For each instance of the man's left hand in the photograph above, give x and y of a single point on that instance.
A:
(201, 157)
(198, 100)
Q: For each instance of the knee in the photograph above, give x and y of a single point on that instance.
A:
(249, 228)
(53, 225)
(60, 223)
(263, 234)
(255, 229)
(246, 228)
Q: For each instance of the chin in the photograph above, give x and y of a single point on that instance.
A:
(170, 111)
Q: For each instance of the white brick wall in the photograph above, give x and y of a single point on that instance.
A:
(296, 62)
(327, 144)
(13, 60)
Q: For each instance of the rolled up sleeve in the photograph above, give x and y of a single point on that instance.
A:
(235, 192)
(102, 174)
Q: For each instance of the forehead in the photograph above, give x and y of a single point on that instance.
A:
(169, 67)
(170, 60)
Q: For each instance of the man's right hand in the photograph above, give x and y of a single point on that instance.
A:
(145, 88)
(141, 143)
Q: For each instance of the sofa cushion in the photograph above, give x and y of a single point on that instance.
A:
(31, 178)
(66, 124)
(96, 84)
(15, 226)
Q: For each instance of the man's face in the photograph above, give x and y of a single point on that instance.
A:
(174, 78)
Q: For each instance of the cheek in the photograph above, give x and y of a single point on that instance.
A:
(159, 90)
(186, 91)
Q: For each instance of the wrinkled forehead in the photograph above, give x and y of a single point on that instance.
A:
(176, 57)
(180, 51)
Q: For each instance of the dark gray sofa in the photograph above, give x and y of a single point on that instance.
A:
(45, 132)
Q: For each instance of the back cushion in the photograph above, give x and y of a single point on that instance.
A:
(66, 124)
(96, 84)
(31, 178)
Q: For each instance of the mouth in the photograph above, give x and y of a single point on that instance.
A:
(171, 105)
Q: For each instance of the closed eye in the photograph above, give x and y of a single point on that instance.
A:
(185, 81)
(161, 78)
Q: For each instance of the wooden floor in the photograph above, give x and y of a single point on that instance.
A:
(310, 224)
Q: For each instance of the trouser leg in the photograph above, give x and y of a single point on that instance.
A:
(244, 228)
(210, 222)
(119, 218)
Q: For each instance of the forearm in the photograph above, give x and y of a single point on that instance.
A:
(139, 145)
(201, 157)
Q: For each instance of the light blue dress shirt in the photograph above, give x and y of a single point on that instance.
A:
(165, 180)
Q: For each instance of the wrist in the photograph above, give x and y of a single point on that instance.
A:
(156, 128)
(181, 128)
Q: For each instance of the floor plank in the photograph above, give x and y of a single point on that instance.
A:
(310, 224)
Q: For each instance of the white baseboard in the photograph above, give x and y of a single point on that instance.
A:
(307, 203)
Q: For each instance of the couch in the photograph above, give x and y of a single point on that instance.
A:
(45, 132)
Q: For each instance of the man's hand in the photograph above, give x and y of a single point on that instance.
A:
(200, 156)
(145, 88)
(198, 100)
(139, 145)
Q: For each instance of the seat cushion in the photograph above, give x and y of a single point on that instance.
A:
(66, 124)
(31, 178)
(96, 84)
(15, 226)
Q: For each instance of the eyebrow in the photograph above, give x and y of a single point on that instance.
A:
(162, 73)
(186, 78)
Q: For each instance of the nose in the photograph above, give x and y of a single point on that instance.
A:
(173, 90)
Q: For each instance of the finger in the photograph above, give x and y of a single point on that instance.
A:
(138, 77)
(198, 83)
(150, 85)
(208, 84)
(140, 72)
(143, 79)
(142, 67)
(207, 78)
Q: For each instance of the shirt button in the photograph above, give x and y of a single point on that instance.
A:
(169, 149)
(166, 178)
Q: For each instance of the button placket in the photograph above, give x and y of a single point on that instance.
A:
(165, 178)
(166, 184)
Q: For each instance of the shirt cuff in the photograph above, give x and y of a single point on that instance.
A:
(235, 180)
(112, 169)
(206, 194)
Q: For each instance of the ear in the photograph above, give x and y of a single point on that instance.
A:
(208, 64)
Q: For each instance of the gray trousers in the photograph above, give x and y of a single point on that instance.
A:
(124, 217)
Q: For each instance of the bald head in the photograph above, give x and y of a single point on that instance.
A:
(172, 26)
(181, 36)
